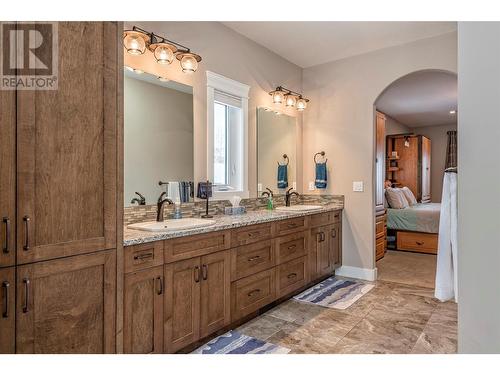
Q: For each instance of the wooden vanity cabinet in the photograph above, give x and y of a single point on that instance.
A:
(196, 299)
(321, 259)
(8, 310)
(143, 311)
(67, 305)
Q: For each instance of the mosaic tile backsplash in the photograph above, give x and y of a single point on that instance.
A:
(136, 214)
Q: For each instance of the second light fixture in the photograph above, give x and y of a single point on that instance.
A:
(289, 98)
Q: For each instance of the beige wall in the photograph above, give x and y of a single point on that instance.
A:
(232, 55)
(439, 141)
(478, 187)
(340, 120)
(276, 136)
(393, 126)
(158, 135)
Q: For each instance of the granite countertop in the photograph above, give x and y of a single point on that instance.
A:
(135, 237)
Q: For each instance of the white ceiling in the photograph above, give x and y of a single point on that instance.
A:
(312, 43)
(421, 99)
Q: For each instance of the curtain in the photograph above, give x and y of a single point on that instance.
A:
(451, 150)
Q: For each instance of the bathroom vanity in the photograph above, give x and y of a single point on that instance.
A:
(183, 287)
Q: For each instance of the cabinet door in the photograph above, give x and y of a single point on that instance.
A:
(182, 304)
(320, 251)
(335, 245)
(67, 305)
(8, 314)
(143, 311)
(215, 292)
(7, 177)
(426, 169)
(380, 160)
(67, 149)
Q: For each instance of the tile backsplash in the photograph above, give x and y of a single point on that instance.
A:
(135, 214)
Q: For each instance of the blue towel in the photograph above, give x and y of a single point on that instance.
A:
(320, 182)
(282, 176)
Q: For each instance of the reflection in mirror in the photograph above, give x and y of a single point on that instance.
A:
(158, 132)
(276, 137)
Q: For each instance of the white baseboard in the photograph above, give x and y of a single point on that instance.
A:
(357, 273)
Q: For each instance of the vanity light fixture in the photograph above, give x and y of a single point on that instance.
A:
(137, 41)
(289, 97)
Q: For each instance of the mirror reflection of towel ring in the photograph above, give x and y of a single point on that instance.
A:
(322, 153)
(285, 156)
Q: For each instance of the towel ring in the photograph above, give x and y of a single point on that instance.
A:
(285, 156)
(322, 153)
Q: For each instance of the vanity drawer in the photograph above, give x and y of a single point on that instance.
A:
(197, 245)
(321, 219)
(251, 293)
(291, 276)
(250, 259)
(291, 246)
(420, 242)
(251, 234)
(380, 226)
(138, 257)
(291, 225)
(336, 216)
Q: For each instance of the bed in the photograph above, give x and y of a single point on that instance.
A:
(416, 228)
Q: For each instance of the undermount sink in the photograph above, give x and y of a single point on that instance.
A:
(172, 225)
(299, 208)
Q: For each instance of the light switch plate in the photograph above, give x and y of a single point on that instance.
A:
(294, 185)
(357, 186)
(259, 187)
(311, 186)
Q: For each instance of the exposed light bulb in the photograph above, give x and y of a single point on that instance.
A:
(189, 63)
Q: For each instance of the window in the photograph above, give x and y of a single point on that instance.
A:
(227, 136)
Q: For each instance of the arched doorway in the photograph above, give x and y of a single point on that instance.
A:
(412, 117)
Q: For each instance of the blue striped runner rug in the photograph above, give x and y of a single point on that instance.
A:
(233, 342)
(335, 293)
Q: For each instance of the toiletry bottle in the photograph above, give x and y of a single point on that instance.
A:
(270, 204)
(177, 210)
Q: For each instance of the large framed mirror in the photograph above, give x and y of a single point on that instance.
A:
(158, 139)
(276, 151)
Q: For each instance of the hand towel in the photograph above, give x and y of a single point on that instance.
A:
(282, 176)
(320, 181)
(173, 191)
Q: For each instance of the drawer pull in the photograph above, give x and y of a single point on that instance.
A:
(143, 256)
(419, 243)
(336, 216)
(291, 247)
(292, 275)
(26, 283)
(253, 258)
(160, 282)
(204, 272)
(291, 225)
(26, 220)
(196, 274)
(251, 234)
(5, 248)
(320, 237)
(334, 233)
(255, 291)
(6, 288)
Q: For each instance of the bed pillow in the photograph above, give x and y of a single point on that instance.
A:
(410, 197)
(396, 198)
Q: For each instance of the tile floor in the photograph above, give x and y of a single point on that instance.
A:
(392, 318)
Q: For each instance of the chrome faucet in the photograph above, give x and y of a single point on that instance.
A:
(159, 206)
(288, 195)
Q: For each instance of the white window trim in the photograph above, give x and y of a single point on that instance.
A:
(218, 82)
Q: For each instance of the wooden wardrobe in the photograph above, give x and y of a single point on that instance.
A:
(380, 211)
(412, 165)
(60, 200)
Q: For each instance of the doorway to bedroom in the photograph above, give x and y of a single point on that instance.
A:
(415, 127)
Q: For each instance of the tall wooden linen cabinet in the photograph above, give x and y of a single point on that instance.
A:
(61, 205)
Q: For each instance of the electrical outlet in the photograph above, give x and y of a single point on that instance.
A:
(357, 186)
(294, 185)
(311, 186)
(259, 187)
